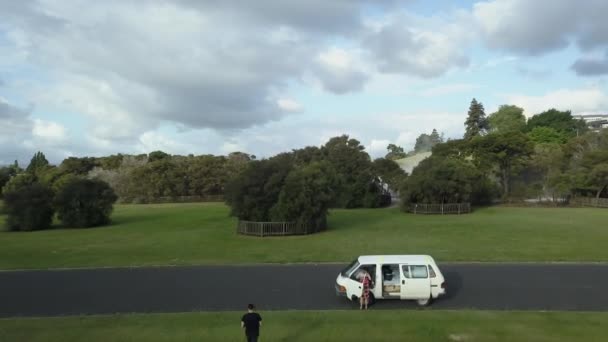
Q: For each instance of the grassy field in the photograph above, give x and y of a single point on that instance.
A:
(180, 234)
(332, 326)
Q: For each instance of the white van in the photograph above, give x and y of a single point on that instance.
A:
(410, 277)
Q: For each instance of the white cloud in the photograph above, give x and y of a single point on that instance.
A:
(422, 46)
(589, 99)
(539, 26)
(341, 71)
(49, 131)
(289, 105)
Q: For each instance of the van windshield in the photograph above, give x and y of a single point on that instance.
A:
(350, 268)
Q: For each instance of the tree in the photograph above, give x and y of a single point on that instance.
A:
(445, 180)
(389, 172)
(547, 135)
(28, 205)
(426, 142)
(548, 161)
(395, 152)
(305, 196)
(436, 138)
(561, 121)
(157, 155)
(476, 123)
(355, 183)
(253, 192)
(78, 166)
(37, 165)
(85, 203)
(507, 118)
(506, 151)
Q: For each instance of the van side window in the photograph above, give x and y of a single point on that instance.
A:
(432, 271)
(406, 271)
(419, 271)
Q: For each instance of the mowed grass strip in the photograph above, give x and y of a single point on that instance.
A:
(186, 234)
(332, 326)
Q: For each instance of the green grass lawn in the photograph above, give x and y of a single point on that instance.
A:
(381, 325)
(181, 234)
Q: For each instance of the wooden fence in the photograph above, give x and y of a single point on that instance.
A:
(263, 229)
(589, 202)
(441, 208)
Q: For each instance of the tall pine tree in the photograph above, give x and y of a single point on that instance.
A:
(476, 123)
(37, 165)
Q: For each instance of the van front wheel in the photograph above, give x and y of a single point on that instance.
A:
(423, 302)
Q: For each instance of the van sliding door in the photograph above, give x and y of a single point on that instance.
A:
(415, 282)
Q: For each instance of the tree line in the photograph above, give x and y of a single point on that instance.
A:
(504, 156)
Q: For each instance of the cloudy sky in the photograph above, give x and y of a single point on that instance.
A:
(82, 77)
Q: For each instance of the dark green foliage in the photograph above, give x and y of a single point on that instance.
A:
(157, 155)
(507, 118)
(28, 205)
(445, 180)
(562, 122)
(389, 172)
(547, 135)
(305, 196)
(78, 166)
(395, 152)
(355, 181)
(476, 123)
(37, 165)
(85, 203)
(426, 142)
(253, 193)
(506, 153)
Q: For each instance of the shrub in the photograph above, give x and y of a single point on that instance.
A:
(28, 206)
(85, 203)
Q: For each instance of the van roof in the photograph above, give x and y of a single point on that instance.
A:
(395, 259)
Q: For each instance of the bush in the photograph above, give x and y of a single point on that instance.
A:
(28, 206)
(85, 203)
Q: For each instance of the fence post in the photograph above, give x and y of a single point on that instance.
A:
(458, 208)
(441, 208)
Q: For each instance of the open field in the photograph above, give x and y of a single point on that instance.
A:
(183, 234)
(381, 325)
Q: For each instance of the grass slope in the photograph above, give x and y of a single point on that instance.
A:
(205, 234)
(382, 325)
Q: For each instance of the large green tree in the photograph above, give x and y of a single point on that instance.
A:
(253, 192)
(561, 121)
(355, 183)
(389, 172)
(305, 196)
(28, 204)
(505, 152)
(476, 123)
(507, 118)
(83, 203)
(426, 142)
(445, 180)
(38, 164)
(395, 152)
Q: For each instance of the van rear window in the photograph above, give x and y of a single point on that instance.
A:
(432, 272)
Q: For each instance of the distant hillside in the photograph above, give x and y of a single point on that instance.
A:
(408, 164)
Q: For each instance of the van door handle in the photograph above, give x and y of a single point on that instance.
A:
(403, 282)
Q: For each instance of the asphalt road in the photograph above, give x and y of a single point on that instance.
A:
(280, 287)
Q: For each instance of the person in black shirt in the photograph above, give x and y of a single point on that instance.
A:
(251, 322)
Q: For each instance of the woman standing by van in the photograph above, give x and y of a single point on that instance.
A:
(366, 282)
